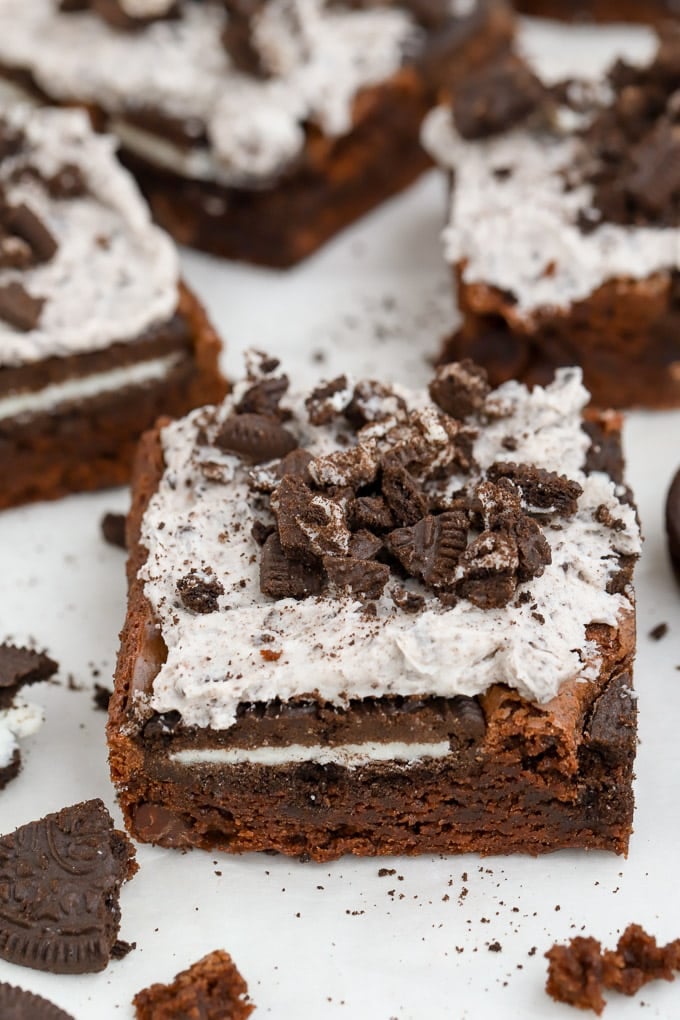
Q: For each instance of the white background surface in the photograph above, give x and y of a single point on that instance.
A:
(317, 942)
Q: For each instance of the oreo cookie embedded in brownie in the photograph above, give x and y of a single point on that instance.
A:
(98, 336)
(564, 229)
(256, 129)
(18, 718)
(367, 620)
(645, 11)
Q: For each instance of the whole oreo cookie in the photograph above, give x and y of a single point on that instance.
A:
(673, 521)
(16, 1004)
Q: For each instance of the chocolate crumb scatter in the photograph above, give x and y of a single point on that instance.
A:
(581, 971)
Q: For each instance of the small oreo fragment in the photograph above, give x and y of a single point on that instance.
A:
(496, 98)
(60, 878)
(19, 308)
(17, 1004)
(211, 989)
(113, 530)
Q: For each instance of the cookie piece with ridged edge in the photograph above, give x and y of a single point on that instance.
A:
(17, 1004)
(60, 879)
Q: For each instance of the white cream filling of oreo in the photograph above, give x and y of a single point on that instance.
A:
(329, 648)
(349, 756)
(84, 388)
(323, 56)
(21, 720)
(114, 274)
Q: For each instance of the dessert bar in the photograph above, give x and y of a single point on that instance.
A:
(98, 336)
(564, 226)
(373, 621)
(257, 130)
(645, 11)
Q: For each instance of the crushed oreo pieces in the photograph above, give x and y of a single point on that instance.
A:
(199, 592)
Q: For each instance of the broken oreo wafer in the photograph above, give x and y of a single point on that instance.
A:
(60, 878)
(18, 667)
(16, 1004)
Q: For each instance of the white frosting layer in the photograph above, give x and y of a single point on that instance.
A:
(349, 756)
(329, 646)
(114, 274)
(518, 230)
(321, 57)
(21, 720)
(86, 387)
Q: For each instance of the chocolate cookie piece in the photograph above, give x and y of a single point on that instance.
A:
(16, 1004)
(113, 529)
(20, 666)
(673, 522)
(212, 989)
(59, 883)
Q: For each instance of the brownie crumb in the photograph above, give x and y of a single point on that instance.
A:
(121, 948)
(579, 972)
(495, 947)
(385, 872)
(211, 989)
(113, 530)
(101, 697)
(658, 632)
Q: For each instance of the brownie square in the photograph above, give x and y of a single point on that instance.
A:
(98, 334)
(257, 131)
(564, 226)
(376, 621)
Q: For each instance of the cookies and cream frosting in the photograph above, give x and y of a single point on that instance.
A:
(317, 56)
(526, 213)
(393, 632)
(108, 273)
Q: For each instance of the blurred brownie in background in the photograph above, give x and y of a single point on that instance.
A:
(644, 11)
(98, 336)
(257, 130)
(564, 225)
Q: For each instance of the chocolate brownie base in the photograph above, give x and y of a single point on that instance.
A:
(212, 988)
(518, 777)
(335, 180)
(89, 443)
(625, 336)
(644, 11)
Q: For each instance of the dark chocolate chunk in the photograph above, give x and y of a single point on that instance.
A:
(310, 525)
(255, 437)
(321, 408)
(264, 397)
(403, 495)
(16, 1004)
(59, 883)
(283, 578)
(673, 522)
(496, 98)
(19, 308)
(211, 989)
(364, 578)
(200, 592)
(371, 512)
(407, 601)
(430, 549)
(544, 490)
(460, 388)
(488, 570)
(23, 222)
(113, 529)
(20, 666)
